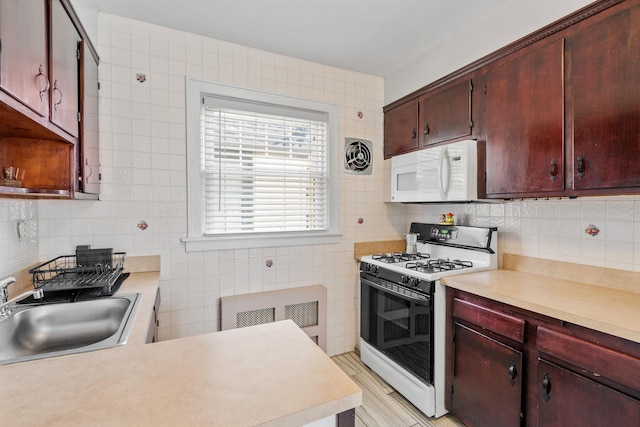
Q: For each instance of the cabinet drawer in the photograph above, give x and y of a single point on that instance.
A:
(503, 324)
(599, 360)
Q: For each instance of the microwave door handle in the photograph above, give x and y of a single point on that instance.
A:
(444, 173)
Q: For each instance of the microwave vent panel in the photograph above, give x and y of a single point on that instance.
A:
(358, 156)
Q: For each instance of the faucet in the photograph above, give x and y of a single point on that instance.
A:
(5, 302)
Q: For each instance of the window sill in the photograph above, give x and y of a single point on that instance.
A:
(253, 241)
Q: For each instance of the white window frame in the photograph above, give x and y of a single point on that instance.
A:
(196, 240)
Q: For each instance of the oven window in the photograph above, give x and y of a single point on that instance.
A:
(399, 327)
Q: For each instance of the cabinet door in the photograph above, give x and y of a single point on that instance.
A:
(524, 123)
(23, 59)
(487, 380)
(89, 158)
(446, 115)
(65, 66)
(401, 129)
(605, 67)
(568, 399)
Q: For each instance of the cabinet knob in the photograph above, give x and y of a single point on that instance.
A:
(426, 129)
(553, 172)
(414, 135)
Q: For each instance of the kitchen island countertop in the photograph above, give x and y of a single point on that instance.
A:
(270, 375)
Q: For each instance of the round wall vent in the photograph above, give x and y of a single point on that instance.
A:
(358, 156)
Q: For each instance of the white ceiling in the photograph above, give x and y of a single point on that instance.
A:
(370, 36)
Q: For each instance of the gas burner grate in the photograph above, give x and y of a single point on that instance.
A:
(396, 257)
(438, 265)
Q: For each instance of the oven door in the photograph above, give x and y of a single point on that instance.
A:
(398, 322)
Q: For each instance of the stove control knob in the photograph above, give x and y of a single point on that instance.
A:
(414, 282)
(404, 280)
(370, 268)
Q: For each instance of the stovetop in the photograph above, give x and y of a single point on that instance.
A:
(424, 266)
(442, 250)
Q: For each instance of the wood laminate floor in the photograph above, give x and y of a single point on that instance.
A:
(382, 406)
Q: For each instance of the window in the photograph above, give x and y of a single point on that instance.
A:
(259, 169)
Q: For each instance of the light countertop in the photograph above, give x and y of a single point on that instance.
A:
(271, 375)
(602, 308)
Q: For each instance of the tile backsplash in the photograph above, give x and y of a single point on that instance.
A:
(18, 235)
(557, 229)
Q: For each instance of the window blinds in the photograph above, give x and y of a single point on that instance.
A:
(264, 168)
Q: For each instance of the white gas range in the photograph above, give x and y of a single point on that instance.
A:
(403, 304)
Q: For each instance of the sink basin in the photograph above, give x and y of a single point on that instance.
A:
(47, 330)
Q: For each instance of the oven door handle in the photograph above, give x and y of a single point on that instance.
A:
(414, 297)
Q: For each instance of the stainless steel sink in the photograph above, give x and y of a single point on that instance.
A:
(48, 330)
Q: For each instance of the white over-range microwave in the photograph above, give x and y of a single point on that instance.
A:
(446, 173)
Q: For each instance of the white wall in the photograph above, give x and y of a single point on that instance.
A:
(142, 149)
(504, 25)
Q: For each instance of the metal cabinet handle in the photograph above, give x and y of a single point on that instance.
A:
(513, 373)
(553, 171)
(426, 129)
(546, 387)
(86, 178)
(414, 135)
(56, 88)
(580, 166)
(41, 76)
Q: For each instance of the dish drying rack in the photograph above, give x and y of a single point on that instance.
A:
(64, 273)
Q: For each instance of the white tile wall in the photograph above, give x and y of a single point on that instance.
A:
(143, 149)
(17, 252)
(555, 229)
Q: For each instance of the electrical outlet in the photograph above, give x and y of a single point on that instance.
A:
(22, 228)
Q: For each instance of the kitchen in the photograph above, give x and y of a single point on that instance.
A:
(143, 167)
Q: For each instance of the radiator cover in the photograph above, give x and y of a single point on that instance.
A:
(306, 306)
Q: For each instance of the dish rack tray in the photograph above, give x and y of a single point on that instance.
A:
(63, 273)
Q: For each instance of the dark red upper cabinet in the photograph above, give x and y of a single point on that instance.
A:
(24, 62)
(446, 114)
(401, 129)
(524, 122)
(604, 60)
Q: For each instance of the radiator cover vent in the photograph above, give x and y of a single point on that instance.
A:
(305, 314)
(255, 317)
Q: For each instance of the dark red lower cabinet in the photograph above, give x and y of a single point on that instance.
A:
(487, 380)
(569, 399)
